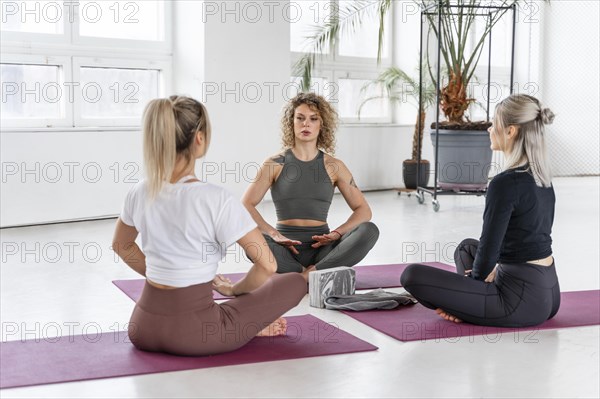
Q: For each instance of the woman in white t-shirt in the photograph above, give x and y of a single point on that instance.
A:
(186, 226)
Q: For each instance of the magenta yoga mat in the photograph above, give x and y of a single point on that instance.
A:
(367, 277)
(133, 288)
(387, 276)
(81, 357)
(418, 323)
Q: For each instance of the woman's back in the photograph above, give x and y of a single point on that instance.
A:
(528, 233)
(185, 229)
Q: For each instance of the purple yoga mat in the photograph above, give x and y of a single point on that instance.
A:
(387, 276)
(133, 288)
(416, 322)
(81, 357)
(367, 277)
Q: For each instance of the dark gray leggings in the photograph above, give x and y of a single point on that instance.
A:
(522, 294)
(347, 251)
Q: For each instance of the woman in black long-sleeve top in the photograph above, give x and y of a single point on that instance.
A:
(508, 277)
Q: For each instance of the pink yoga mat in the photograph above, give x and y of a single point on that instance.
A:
(367, 277)
(416, 322)
(81, 357)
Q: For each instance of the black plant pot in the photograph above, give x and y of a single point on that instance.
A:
(409, 173)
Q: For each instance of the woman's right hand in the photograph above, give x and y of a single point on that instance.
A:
(286, 242)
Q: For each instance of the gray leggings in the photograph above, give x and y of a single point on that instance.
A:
(347, 251)
(523, 294)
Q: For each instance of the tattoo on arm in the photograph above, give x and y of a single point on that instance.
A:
(352, 182)
(278, 159)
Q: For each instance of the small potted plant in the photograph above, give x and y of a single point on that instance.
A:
(399, 87)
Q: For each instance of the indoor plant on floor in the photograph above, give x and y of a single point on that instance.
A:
(399, 87)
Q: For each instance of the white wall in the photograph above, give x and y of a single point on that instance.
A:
(570, 85)
(374, 154)
(247, 65)
(65, 175)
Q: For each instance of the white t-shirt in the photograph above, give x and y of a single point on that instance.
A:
(185, 230)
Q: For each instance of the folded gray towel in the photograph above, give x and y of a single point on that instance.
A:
(376, 299)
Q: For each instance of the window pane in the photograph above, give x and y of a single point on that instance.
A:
(31, 91)
(320, 86)
(117, 92)
(350, 98)
(362, 42)
(40, 16)
(134, 20)
(501, 41)
(479, 91)
(304, 16)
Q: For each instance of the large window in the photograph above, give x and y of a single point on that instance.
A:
(82, 63)
(500, 61)
(342, 71)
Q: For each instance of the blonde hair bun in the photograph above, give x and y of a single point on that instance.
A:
(547, 116)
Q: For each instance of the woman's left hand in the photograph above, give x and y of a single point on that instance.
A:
(223, 285)
(326, 239)
(492, 276)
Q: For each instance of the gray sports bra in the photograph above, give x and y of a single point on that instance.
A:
(303, 190)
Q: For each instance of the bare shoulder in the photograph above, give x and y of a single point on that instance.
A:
(272, 167)
(336, 168)
(331, 160)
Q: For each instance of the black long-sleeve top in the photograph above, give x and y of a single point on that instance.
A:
(517, 222)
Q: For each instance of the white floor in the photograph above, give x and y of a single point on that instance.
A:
(56, 280)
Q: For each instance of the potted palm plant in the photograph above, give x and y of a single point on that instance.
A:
(461, 47)
(464, 154)
(400, 86)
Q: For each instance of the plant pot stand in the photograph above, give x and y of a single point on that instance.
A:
(408, 191)
(445, 183)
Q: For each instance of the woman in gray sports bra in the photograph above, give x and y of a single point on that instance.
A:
(302, 180)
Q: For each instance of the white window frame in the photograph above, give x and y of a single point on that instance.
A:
(498, 74)
(362, 75)
(328, 76)
(62, 62)
(160, 46)
(26, 38)
(333, 66)
(70, 51)
(164, 71)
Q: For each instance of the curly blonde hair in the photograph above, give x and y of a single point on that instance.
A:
(326, 113)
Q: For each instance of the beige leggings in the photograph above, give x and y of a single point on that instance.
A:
(187, 321)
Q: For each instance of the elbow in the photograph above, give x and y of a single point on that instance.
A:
(249, 205)
(363, 212)
(121, 248)
(367, 213)
(116, 247)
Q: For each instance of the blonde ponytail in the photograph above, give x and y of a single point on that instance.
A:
(159, 143)
(169, 127)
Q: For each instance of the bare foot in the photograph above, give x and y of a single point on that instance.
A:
(278, 327)
(447, 316)
(307, 270)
